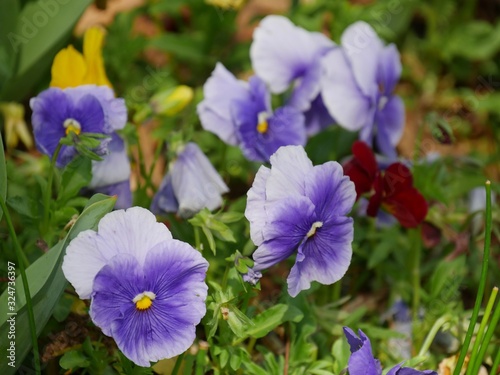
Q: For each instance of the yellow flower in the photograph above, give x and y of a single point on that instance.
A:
(226, 4)
(70, 68)
(171, 101)
(15, 126)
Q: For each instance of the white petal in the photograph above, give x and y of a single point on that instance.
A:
(290, 166)
(134, 231)
(256, 201)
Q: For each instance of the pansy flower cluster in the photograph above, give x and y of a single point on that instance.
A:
(351, 84)
(147, 290)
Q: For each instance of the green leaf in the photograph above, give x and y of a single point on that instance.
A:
(237, 321)
(42, 29)
(74, 359)
(3, 174)
(380, 252)
(76, 175)
(8, 20)
(25, 206)
(46, 283)
(268, 320)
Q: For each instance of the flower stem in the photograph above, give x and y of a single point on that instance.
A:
(478, 359)
(482, 283)
(24, 278)
(496, 362)
(480, 333)
(415, 273)
(48, 194)
(178, 363)
(432, 334)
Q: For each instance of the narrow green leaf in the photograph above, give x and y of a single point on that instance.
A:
(3, 174)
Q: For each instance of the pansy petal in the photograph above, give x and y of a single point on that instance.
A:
(290, 166)
(115, 166)
(329, 190)
(68, 68)
(256, 201)
(399, 370)
(390, 125)
(115, 286)
(408, 206)
(89, 113)
(361, 360)
(164, 199)
(122, 192)
(342, 97)
(92, 51)
(215, 110)
(326, 255)
(282, 52)
(195, 181)
(317, 117)
(288, 221)
(397, 178)
(363, 48)
(389, 68)
(48, 124)
(361, 168)
(307, 89)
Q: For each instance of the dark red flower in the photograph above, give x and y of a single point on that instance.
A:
(391, 189)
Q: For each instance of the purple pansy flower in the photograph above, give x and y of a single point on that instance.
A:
(240, 114)
(297, 207)
(147, 290)
(191, 184)
(82, 109)
(282, 55)
(362, 361)
(111, 176)
(358, 84)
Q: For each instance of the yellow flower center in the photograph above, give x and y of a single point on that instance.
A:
(314, 226)
(72, 125)
(144, 301)
(263, 126)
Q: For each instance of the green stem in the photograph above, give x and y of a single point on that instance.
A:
(432, 334)
(155, 160)
(48, 193)
(478, 359)
(480, 334)
(197, 241)
(178, 363)
(200, 361)
(482, 283)
(415, 273)
(29, 304)
(496, 363)
(336, 291)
